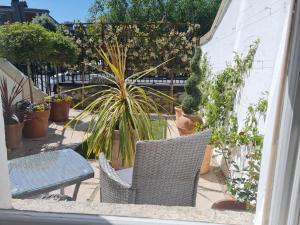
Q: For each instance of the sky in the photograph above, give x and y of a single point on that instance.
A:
(61, 10)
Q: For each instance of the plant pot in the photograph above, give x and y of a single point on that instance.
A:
(13, 135)
(60, 111)
(116, 156)
(36, 124)
(205, 166)
(229, 204)
(186, 123)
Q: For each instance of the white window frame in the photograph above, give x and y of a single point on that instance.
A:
(279, 188)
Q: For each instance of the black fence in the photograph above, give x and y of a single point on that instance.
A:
(45, 78)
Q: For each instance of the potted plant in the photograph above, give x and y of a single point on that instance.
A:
(36, 118)
(24, 43)
(62, 51)
(60, 107)
(13, 125)
(120, 112)
(188, 116)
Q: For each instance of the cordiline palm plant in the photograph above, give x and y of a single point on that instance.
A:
(9, 98)
(121, 106)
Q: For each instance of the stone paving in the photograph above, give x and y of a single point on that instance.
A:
(211, 187)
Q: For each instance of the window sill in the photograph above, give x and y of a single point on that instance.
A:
(141, 211)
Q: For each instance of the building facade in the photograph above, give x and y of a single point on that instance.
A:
(18, 11)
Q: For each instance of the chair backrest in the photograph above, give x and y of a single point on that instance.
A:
(166, 172)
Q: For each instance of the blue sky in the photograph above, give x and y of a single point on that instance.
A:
(61, 10)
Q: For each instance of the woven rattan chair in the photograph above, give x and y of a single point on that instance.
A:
(165, 172)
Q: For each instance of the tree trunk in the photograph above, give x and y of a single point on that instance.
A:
(57, 80)
(30, 81)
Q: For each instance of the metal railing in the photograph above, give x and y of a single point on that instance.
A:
(47, 82)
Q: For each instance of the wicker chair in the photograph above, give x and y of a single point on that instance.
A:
(165, 172)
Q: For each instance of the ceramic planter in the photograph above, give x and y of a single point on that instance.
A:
(60, 111)
(13, 135)
(116, 156)
(36, 124)
(186, 125)
(229, 204)
(205, 166)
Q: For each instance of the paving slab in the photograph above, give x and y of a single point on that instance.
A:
(211, 186)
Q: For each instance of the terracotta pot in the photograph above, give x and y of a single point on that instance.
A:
(229, 204)
(60, 111)
(116, 156)
(36, 124)
(186, 123)
(205, 166)
(13, 135)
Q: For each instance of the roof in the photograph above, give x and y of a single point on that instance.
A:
(36, 10)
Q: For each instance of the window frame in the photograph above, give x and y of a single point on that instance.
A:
(284, 207)
(13, 217)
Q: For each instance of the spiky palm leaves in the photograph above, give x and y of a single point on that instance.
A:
(8, 99)
(119, 106)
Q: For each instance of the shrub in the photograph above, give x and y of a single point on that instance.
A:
(62, 49)
(24, 42)
(45, 21)
(192, 100)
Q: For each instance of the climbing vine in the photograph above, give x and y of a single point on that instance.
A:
(245, 186)
(220, 93)
(221, 96)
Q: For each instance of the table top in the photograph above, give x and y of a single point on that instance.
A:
(45, 172)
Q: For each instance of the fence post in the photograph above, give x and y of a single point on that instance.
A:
(172, 93)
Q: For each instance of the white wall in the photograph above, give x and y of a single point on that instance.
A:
(244, 22)
(12, 74)
(5, 202)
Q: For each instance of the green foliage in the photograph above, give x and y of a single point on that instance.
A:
(220, 95)
(28, 107)
(119, 106)
(45, 21)
(149, 44)
(58, 98)
(62, 49)
(218, 107)
(144, 11)
(24, 42)
(192, 100)
(245, 186)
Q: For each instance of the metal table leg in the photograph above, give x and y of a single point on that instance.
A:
(76, 191)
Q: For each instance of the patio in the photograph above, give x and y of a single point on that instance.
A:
(211, 187)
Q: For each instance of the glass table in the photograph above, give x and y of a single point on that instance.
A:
(45, 172)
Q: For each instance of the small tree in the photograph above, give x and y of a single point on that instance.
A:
(45, 21)
(192, 100)
(62, 51)
(24, 43)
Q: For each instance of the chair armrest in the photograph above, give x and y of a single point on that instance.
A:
(113, 189)
(110, 172)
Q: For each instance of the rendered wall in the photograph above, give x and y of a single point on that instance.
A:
(5, 202)
(244, 22)
(11, 73)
